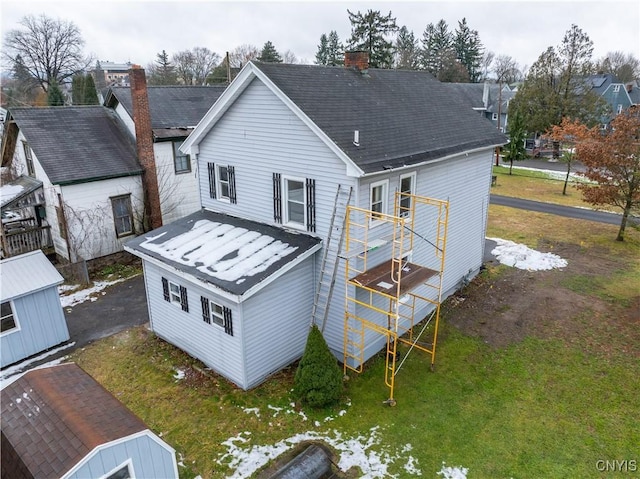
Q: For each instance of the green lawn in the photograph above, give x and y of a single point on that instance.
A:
(541, 408)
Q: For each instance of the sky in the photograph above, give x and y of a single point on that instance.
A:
(135, 31)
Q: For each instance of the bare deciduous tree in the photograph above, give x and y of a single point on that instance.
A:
(49, 50)
(243, 54)
(193, 67)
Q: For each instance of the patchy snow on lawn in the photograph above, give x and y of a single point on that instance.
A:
(356, 451)
(88, 294)
(522, 257)
(453, 472)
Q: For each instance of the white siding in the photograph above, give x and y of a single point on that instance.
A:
(276, 323)
(126, 119)
(207, 342)
(89, 215)
(179, 195)
(260, 136)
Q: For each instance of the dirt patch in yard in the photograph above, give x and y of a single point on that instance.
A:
(505, 307)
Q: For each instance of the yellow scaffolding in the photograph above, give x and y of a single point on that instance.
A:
(384, 289)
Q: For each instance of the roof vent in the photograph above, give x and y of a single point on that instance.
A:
(356, 137)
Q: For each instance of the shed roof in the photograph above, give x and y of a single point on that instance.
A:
(78, 144)
(26, 274)
(53, 417)
(171, 106)
(233, 254)
(12, 191)
(403, 117)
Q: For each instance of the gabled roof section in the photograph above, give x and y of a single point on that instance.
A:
(27, 273)
(232, 254)
(403, 117)
(171, 106)
(78, 144)
(53, 417)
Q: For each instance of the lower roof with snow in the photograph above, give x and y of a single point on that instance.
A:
(233, 254)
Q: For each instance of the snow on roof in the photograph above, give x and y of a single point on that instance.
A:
(27, 273)
(9, 192)
(232, 253)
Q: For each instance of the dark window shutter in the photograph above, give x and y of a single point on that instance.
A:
(277, 198)
(232, 184)
(228, 322)
(311, 205)
(183, 299)
(206, 315)
(165, 289)
(212, 179)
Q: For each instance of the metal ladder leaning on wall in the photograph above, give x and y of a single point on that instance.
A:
(332, 247)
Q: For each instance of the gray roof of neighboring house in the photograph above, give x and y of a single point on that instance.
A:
(27, 273)
(171, 106)
(403, 117)
(600, 82)
(78, 144)
(54, 417)
(230, 253)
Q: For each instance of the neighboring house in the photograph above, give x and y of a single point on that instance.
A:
(174, 112)
(24, 224)
(59, 422)
(274, 154)
(32, 317)
(618, 96)
(111, 73)
(490, 99)
(91, 178)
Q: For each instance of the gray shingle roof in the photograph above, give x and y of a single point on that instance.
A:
(231, 253)
(53, 417)
(403, 117)
(173, 106)
(78, 144)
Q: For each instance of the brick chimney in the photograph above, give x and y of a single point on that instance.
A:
(357, 59)
(144, 142)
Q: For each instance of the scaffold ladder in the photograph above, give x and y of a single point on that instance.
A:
(329, 267)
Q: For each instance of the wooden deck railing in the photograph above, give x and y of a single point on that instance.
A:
(24, 238)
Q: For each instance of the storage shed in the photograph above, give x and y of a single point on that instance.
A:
(32, 317)
(59, 422)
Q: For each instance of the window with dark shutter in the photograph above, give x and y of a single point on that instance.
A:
(277, 198)
(228, 322)
(311, 205)
(206, 314)
(165, 289)
(211, 167)
(232, 184)
(183, 299)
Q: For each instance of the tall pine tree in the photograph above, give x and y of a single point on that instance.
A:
(55, 97)
(269, 54)
(437, 47)
(323, 50)
(162, 72)
(469, 50)
(335, 50)
(369, 33)
(406, 53)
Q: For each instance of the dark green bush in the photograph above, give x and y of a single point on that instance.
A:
(318, 380)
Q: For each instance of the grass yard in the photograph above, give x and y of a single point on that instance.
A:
(536, 376)
(551, 403)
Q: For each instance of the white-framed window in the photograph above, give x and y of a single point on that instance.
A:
(407, 186)
(494, 117)
(378, 199)
(181, 161)
(28, 158)
(175, 293)
(123, 471)
(122, 215)
(214, 313)
(616, 88)
(295, 202)
(8, 322)
(222, 182)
